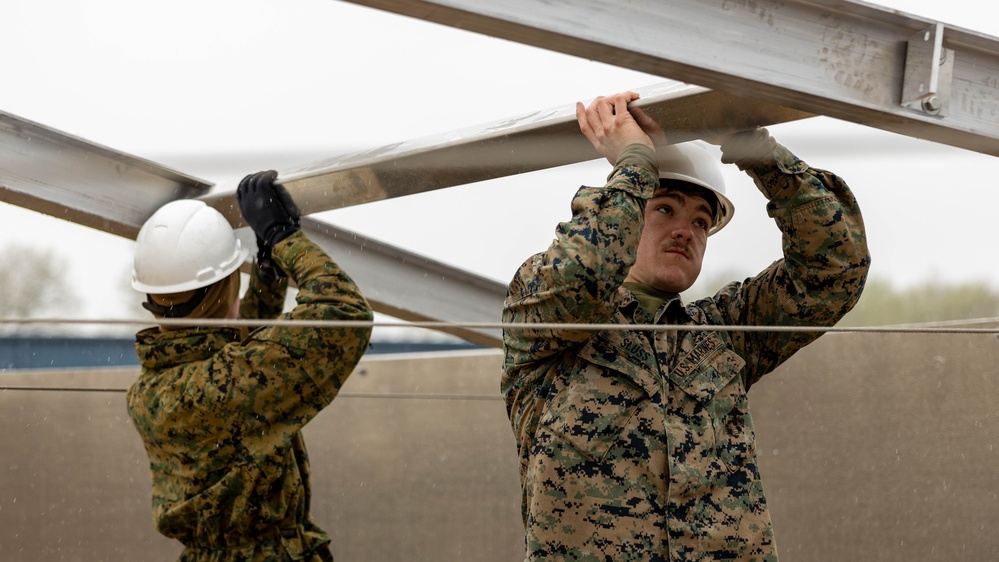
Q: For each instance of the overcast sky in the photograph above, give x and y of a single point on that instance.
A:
(221, 88)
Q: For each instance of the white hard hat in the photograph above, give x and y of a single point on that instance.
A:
(694, 162)
(184, 245)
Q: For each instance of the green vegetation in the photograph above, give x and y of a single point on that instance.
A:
(932, 301)
(884, 304)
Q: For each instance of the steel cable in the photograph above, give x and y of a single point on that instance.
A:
(953, 327)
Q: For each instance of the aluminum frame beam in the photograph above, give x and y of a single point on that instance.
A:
(535, 141)
(70, 178)
(54, 173)
(409, 286)
(840, 58)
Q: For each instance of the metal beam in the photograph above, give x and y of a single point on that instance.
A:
(73, 179)
(409, 286)
(839, 58)
(536, 141)
(70, 178)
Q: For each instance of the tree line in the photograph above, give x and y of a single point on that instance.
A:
(34, 284)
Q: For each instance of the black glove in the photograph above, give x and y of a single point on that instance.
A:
(270, 212)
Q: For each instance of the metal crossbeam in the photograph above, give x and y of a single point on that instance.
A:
(64, 176)
(70, 178)
(536, 141)
(409, 286)
(839, 58)
(51, 172)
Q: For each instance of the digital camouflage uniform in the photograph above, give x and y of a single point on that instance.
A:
(221, 418)
(638, 445)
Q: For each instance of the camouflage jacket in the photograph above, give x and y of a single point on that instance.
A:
(639, 445)
(221, 418)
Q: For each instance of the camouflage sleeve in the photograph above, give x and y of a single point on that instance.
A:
(825, 263)
(264, 298)
(285, 375)
(576, 279)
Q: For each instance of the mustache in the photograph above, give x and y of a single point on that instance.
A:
(674, 246)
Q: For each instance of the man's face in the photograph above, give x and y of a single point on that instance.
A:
(673, 241)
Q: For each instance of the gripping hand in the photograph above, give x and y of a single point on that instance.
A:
(269, 210)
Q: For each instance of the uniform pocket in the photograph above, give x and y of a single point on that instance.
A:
(608, 382)
(591, 414)
(706, 370)
(736, 442)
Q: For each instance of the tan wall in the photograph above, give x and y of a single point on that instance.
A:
(872, 446)
(883, 447)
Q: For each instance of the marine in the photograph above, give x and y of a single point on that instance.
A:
(220, 411)
(636, 441)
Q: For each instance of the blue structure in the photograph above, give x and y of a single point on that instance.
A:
(57, 352)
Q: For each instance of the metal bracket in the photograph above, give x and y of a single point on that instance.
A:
(929, 71)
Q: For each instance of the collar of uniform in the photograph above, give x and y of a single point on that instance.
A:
(650, 305)
(158, 350)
